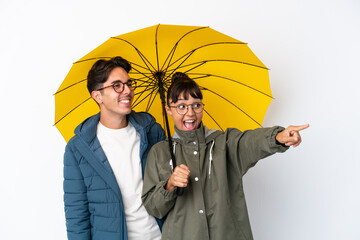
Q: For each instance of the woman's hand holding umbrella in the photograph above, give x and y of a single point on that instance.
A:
(179, 178)
(291, 136)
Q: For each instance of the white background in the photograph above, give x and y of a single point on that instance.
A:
(311, 47)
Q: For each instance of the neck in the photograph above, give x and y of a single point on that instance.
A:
(113, 122)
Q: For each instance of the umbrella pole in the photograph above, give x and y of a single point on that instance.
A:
(179, 190)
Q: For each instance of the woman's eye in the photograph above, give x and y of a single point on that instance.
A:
(197, 105)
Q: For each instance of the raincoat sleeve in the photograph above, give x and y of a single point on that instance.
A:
(250, 146)
(75, 199)
(156, 199)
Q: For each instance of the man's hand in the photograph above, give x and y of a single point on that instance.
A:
(291, 136)
(179, 178)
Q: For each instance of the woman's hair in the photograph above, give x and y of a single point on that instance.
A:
(100, 71)
(180, 82)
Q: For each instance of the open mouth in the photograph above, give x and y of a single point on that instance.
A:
(189, 124)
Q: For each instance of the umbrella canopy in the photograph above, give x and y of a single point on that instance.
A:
(234, 82)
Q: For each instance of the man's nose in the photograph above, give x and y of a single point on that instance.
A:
(127, 89)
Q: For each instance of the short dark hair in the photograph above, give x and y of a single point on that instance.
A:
(101, 69)
(181, 82)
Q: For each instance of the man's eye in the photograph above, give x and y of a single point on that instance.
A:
(181, 107)
(117, 85)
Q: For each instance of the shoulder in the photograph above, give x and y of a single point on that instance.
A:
(159, 152)
(160, 147)
(141, 118)
(145, 121)
(72, 143)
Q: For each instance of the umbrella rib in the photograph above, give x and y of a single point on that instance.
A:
(172, 52)
(233, 105)
(70, 86)
(176, 67)
(148, 77)
(135, 64)
(156, 47)
(220, 60)
(203, 46)
(213, 119)
(72, 110)
(143, 98)
(152, 101)
(141, 93)
(132, 63)
(142, 56)
(229, 79)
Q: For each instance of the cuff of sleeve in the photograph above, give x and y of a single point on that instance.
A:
(168, 195)
(274, 143)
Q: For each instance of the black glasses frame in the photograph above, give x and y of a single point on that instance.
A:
(131, 83)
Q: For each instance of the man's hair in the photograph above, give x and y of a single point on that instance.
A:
(181, 82)
(101, 69)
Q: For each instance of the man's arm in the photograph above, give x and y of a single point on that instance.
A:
(75, 199)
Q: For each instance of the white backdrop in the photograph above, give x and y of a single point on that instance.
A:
(311, 47)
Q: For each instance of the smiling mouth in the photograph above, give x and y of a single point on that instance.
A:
(125, 102)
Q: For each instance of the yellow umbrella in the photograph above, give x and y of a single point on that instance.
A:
(235, 82)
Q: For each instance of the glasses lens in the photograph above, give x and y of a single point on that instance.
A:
(118, 87)
(198, 107)
(181, 109)
(132, 84)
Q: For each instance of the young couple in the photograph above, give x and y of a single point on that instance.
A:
(108, 192)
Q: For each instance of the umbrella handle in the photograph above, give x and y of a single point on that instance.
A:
(179, 191)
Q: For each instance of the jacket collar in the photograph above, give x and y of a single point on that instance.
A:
(87, 129)
(202, 134)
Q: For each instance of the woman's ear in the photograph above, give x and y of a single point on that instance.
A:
(96, 95)
(168, 111)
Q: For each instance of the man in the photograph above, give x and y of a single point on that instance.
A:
(104, 162)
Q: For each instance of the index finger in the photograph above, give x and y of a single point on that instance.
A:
(299, 128)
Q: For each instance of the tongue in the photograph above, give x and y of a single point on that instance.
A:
(189, 125)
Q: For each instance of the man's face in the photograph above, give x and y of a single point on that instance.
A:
(188, 121)
(113, 104)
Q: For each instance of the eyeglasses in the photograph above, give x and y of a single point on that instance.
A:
(182, 109)
(118, 86)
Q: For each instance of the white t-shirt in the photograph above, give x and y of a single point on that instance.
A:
(122, 149)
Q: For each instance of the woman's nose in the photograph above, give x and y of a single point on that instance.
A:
(190, 110)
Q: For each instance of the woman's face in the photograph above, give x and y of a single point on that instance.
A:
(190, 120)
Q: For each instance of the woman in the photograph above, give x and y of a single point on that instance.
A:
(211, 164)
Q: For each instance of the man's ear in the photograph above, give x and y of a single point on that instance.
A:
(168, 111)
(96, 95)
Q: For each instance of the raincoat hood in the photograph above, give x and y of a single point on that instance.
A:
(87, 129)
(202, 133)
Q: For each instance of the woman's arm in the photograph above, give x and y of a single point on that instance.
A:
(156, 199)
